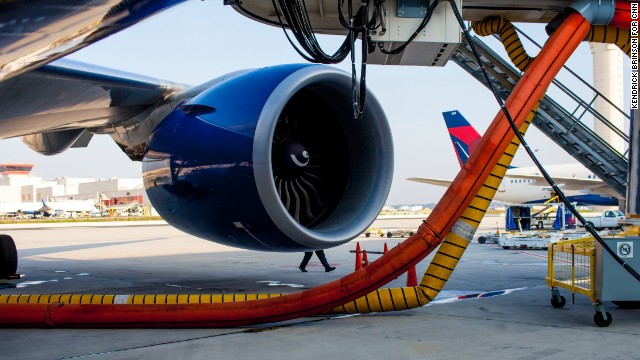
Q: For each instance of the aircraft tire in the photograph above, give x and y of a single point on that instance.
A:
(8, 256)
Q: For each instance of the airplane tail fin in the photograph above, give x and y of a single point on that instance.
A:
(463, 136)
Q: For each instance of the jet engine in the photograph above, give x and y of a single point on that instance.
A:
(273, 160)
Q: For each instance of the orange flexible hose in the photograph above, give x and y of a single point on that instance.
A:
(522, 100)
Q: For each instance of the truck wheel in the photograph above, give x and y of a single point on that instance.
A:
(590, 223)
(411, 233)
(367, 235)
(540, 225)
(8, 256)
(482, 239)
(506, 247)
(389, 234)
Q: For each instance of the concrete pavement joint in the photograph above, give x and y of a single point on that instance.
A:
(246, 331)
(511, 321)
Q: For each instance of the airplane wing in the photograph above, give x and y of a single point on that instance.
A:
(58, 104)
(438, 182)
(34, 33)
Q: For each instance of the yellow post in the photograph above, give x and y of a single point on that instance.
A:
(550, 268)
(573, 270)
(592, 274)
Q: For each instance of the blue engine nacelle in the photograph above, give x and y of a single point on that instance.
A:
(272, 160)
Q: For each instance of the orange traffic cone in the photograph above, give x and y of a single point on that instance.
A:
(386, 248)
(412, 278)
(365, 260)
(358, 257)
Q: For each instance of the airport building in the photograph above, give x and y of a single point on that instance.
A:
(17, 185)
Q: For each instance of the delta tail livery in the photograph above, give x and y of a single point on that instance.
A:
(525, 184)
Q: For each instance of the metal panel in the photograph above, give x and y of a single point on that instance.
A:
(616, 283)
(412, 8)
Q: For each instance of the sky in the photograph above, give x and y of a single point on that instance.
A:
(200, 40)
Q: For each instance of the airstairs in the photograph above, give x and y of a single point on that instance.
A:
(563, 126)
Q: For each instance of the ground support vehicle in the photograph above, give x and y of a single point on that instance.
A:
(374, 232)
(607, 220)
(536, 239)
(399, 233)
(489, 237)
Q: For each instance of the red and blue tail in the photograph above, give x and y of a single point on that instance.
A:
(463, 136)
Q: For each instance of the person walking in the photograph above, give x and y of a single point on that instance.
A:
(323, 259)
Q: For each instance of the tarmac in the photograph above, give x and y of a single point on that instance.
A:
(496, 304)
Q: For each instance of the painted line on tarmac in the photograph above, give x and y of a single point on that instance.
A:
(458, 295)
(280, 283)
(520, 251)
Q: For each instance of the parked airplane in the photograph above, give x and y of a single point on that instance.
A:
(523, 185)
(258, 159)
(45, 209)
(26, 209)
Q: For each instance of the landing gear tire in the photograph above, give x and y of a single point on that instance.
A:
(8, 257)
(558, 303)
(600, 321)
(482, 239)
(506, 247)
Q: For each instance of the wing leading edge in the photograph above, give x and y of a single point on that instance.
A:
(64, 98)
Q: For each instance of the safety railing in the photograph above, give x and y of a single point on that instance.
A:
(559, 124)
(571, 266)
(582, 106)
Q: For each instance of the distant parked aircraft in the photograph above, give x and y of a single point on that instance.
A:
(523, 185)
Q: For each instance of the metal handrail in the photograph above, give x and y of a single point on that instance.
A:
(579, 100)
(504, 76)
(576, 76)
